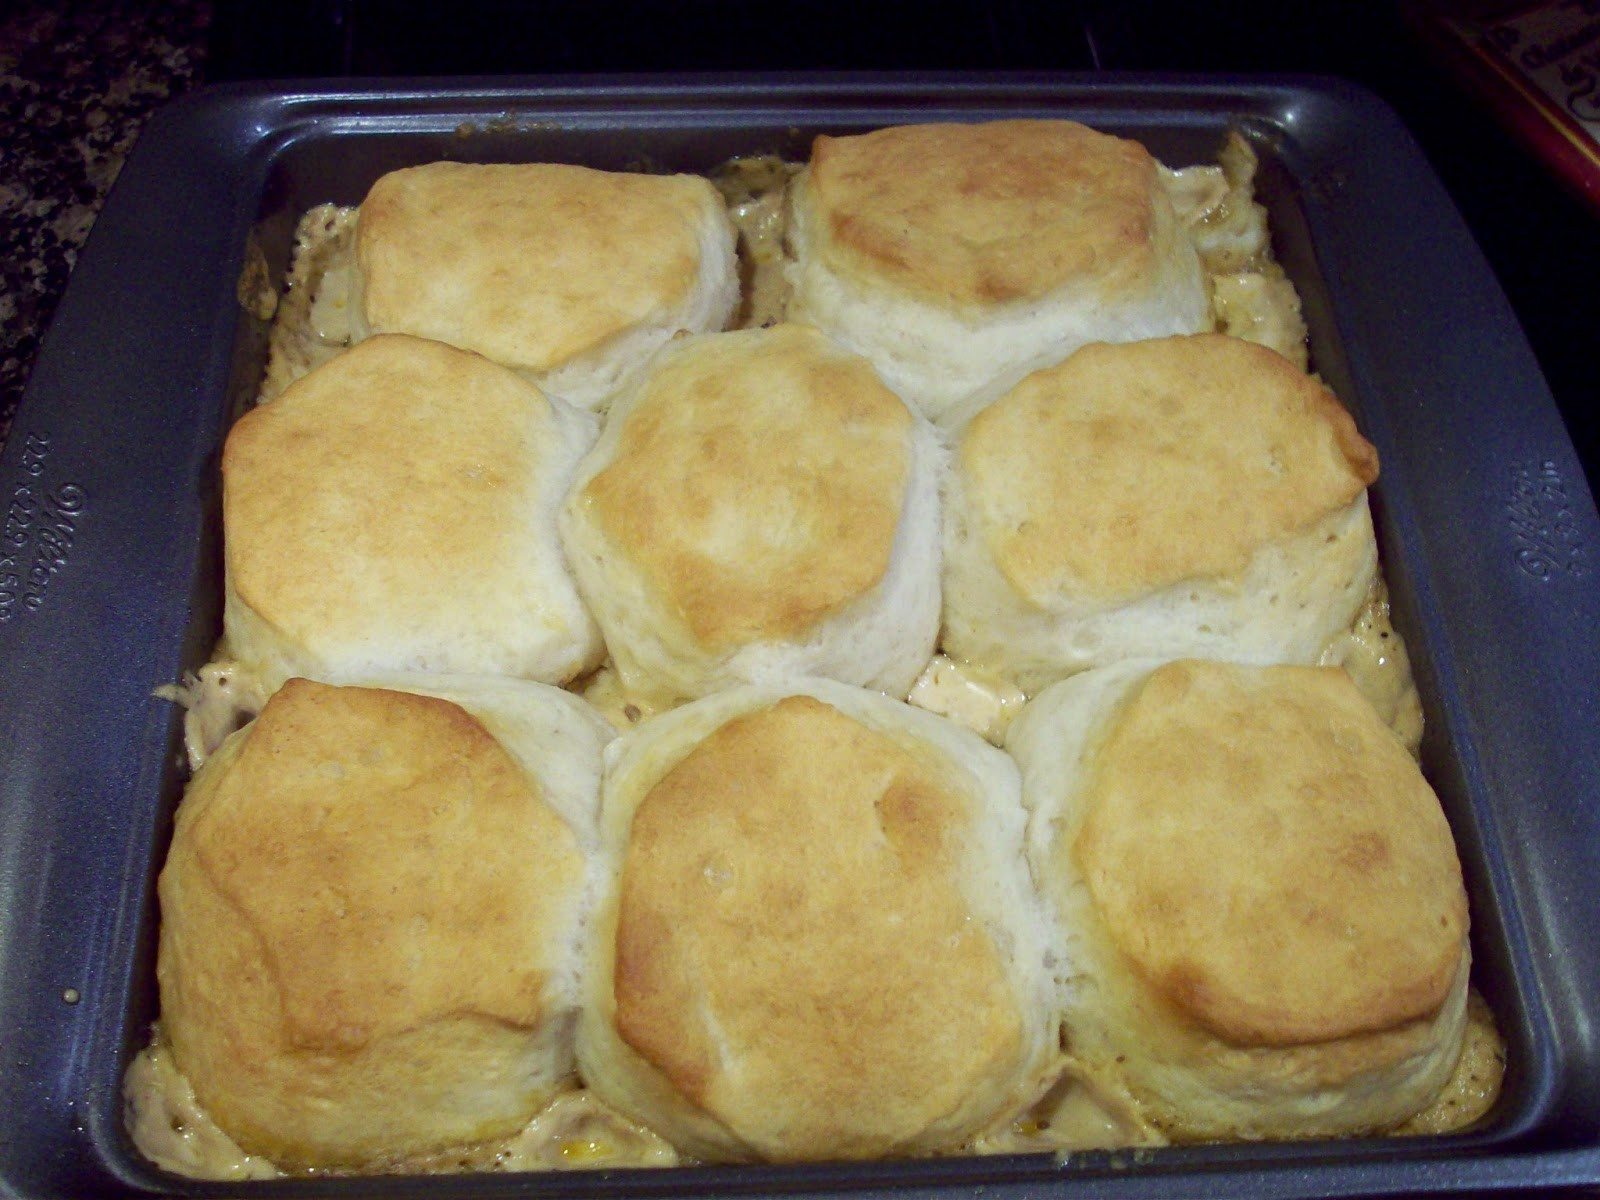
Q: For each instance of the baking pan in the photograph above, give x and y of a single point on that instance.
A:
(110, 573)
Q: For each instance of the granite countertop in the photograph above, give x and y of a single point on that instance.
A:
(77, 82)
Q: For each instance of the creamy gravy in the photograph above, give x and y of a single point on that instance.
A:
(313, 314)
(1475, 1085)
(218, 699)
(756, 191)
(1079, 1111)
(573, 1131)
(1374, 656)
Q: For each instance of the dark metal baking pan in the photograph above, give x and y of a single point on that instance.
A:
(110, 572)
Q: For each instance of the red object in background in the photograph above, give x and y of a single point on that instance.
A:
(1537, 67)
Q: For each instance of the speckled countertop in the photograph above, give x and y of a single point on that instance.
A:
(77, 82)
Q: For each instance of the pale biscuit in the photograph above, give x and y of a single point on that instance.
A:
(395, 510)
(955, 255)
(1188, 496)
(1258, 892)
(372, 911)
(817, 939)
(760, 506)
(568, 275)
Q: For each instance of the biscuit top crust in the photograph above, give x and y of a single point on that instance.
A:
(793, 950)
(399, 474)
(1131, 467)
(758, 482)
(986, 214)
(1269, 858)
(530, 265)
(389, 863)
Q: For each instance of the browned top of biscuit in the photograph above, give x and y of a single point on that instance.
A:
(758, 482)
(1131, 467)
(389, 864)
(392, 490)
(985, 213)
(793, 951)
(1269, 858)
(529, 264)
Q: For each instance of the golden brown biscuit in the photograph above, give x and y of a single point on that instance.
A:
(953, 255)
(1183, 496)
(370, 912)
(1259, 893)
(395, 510)
(760, 505)
(818, 940)
(568, 275)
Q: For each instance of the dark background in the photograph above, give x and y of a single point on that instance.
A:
(1543, 242)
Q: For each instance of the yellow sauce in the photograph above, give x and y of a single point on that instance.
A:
(756, 192)
(1374, 656)
(573, 1131)
(313, 322)
(1080, 1111)
(1475, 1085)
(603, 689)
(172, 1130)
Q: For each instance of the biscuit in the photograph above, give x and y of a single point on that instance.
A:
(1188, 496)
(395, 510)
(1258, 891)
(817, 938)
(371, 918)
(760, 506)
(955, 255)
(567, 275)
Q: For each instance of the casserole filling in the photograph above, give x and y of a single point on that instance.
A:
(1251, 299)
